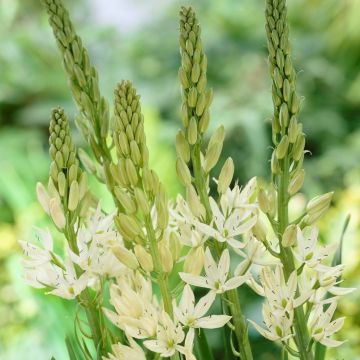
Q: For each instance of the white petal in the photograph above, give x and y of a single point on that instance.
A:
(235, 282)
(265, 333)
(330, 342)
(204, 304)
(195, 280)
(212, 321)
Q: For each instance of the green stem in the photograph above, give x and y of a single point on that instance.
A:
(286, 256)
(232, 295)
(161, 276)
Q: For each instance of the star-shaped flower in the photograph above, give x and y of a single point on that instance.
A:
(216, 274)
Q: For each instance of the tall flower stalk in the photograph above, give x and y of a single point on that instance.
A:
(197, 98)
(148, 242)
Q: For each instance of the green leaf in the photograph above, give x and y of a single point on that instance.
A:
(202, 347)
(70, 349)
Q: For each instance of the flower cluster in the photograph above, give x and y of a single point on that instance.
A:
(207, 243)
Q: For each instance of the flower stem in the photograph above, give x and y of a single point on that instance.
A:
(232, 295)
(287, 259)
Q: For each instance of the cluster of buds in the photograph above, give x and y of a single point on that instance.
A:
(288, 137)
(141, 196)
(83, 79)
(67, 197)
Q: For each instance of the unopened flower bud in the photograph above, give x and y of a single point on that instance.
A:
(83, 185)
(61, 181)
(144, 258)
(298, 148)
(192, 97)
(296, 182)
(183, 172)
(259, 230)
(192, 131)
(212, 156)
(184, 115)
(196, 207)
(125, 256)
(73, 196)
(131, 172)
(183, 78)
(217, 136)
(289, 236)
(293, 130)
(135, 153)
(142, 201)
(284, 115)
(319, 202)
(226, 175)
(43, 197)
(194, 261)
(295, 103)
(201, 104)
(204, 121)
(275, 167)
(174, 246)
(166, 259)
(182, 146)
(263, 201)
(57, 213)
(282, 148)
(125, 200)
(128, 226)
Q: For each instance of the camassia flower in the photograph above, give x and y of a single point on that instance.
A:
(192, 315)
(307, 252)
(94, 241)
(44, 269)
(124, 352)
(226, 227)
(169, 336)
(136, 312)
(277, 322)
(216, 274)
(321, 326)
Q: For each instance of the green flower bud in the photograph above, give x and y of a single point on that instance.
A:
(204, 121)
(175, 246)
(183, 172)
(125, 256)
(165, 256)
(182, 146)
(212, 156)
(286, 90)
(192, 97)
(275, 167)
(192, 131)
(144, 258)
(298, 149)
(201, 103)
(277, 78)
(61, 181)
(289, 236)
(73, 196)
(293, 130)
(184, 115)
(296, 182)
(226, 175)
(131, 172)
(284, 115)
(318, 203)
(194, 202)
(135, 153)
(183, 78)
(282, 148)
(128, 226)
(195, 72)
(142, 201)
(57, 214)
(125, 200)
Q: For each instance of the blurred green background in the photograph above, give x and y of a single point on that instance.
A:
(138, 40)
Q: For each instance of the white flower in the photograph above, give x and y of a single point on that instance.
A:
(307, 250)
(321, 326)
(278, 292)
(169, 336)
(68, 284)
(94, 241)
(237, 198)
(277, 322)
(191, 315)
(316, 285)
(124, 352)
(136, 313)
(226, 227)
(216, 275)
